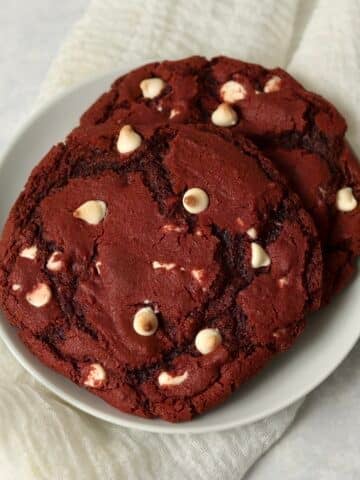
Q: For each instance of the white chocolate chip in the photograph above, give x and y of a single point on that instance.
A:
(345, 200)
(29, 252)
(39, 296)
(173, 113)
(159, 108)
(92, 211)
(166, 266)
(273, 84)
(54, 263)
(172, 228)
(259, 258)
(195, 200)
(198, 275)
(257, 92)
(97, 266)
(207, 340)
(165, 379)
(145, 322)
(152, 87)
(128, 140)
(232, 91)
(224, 116)
(283, 281)
(252, 233)
(16, 286)
(96, 376)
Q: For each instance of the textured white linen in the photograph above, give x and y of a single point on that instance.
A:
(40, 436)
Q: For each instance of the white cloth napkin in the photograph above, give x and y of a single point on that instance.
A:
(43, 438)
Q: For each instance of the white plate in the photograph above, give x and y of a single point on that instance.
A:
(328, 338)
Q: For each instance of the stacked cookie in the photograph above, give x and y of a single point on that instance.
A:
(182, 233)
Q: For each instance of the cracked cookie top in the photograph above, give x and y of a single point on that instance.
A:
(299, 131)
(160, 267)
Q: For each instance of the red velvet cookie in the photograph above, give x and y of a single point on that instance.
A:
(300, 131)
(159, 267)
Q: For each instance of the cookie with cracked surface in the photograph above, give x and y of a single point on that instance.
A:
(300, 131)
(161, 278)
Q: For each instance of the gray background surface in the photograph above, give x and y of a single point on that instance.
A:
(323, 443)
